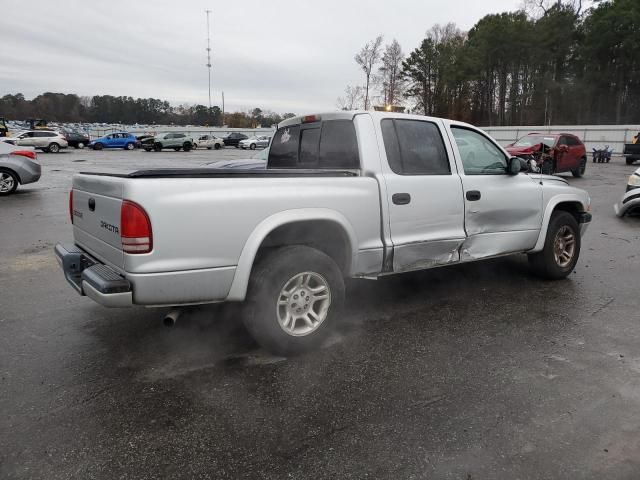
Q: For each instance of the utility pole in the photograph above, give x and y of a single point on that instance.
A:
(209, 57)
(222, 125)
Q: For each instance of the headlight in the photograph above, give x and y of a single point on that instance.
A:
(634, 180)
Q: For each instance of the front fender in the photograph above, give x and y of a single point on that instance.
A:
(549, 209)
(238, 289)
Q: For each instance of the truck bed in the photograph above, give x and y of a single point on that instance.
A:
(203, 172)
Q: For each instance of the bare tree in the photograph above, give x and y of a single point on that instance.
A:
(367, 59)
(390, 73)
(353, 98)
(535, 8)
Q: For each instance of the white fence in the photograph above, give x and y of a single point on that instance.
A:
(613, 135)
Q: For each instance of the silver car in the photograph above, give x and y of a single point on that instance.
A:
(45, 140)
(18, 165)
(252, 143)
(630, 201)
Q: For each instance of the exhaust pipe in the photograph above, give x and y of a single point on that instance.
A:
(171, 317)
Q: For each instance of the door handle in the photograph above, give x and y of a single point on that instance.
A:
(401, 198)
(473, 195)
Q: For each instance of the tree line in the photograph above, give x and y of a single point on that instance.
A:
(551, 63)
(61, 107)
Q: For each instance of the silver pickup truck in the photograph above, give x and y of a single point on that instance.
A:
(357, 194)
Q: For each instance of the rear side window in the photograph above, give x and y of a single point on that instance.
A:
(573, 141)
(284, 148)
(415, 147)
(332, 144)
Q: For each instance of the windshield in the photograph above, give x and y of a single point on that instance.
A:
(531, 140)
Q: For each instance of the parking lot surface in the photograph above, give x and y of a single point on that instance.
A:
(479, 371)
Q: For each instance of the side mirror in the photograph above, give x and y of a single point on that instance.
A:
(516, 165)
(563, 148)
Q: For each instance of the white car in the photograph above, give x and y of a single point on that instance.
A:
(252, 143)
(45, 140)
(630, 201)
(209, 142)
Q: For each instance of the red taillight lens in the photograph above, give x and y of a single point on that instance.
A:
(25, 153)
(71, 205)
(135, 228)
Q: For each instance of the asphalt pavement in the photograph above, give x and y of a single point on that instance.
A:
(479, 371)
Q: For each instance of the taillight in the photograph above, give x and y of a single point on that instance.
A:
(71, 205)
(135, 228)
(25, 153)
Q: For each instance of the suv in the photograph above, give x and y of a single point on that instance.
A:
(45, 140)
(76, 138)
(234, 139)
(177, 141)
(554, 153)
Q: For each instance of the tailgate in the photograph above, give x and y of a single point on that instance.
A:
(96, 217)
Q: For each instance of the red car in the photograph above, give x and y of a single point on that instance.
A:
(554, 153)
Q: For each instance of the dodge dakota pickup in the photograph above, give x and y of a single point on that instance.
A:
(348, 194)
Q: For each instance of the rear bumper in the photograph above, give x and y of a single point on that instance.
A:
(89, 277)
(103, 284)
(28, 171)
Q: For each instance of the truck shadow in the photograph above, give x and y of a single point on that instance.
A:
(464, 296)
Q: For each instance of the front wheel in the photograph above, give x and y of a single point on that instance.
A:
(129, 146)
(547, 167)
(561, 249)
(98, 146)
(53, 148)
(187, 146)
(8, 182)
(294, 299)
(252, 146)
(217, 146)
(157, 147)
(582, 167)
(80, 145)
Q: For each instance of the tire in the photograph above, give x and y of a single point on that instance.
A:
(147, 149)
(80, 145)
(98, 146)
(186, 146)
(629, 161)
(266, 319)
(8, 182)
(157, 146)
(579, 172)
(252, 146)
(177, 149)
(547, 167)
(53, 148)
(216, 146)
(129, 146)
(546, 263)
(209, 148)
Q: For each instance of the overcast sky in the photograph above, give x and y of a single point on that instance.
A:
(288, 56)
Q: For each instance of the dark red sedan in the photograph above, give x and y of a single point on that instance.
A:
(554, 153)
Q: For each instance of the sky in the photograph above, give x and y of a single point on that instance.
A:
(277, 55)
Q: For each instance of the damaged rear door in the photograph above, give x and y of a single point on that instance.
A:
(503, 213)
(426, 210)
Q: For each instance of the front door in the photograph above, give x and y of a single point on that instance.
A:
(426, 210)
(503, 213)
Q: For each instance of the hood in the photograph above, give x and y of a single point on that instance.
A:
(523, 150)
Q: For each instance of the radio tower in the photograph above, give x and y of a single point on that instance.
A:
(209, 56)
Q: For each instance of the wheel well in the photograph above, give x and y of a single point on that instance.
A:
(574, 208)
(324, 235)
(13, 172)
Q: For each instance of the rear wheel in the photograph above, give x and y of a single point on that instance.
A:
(294, 298)
(582, 167)
(53, 148)
(252, 146)
(8, 182)
(561, 248)
(129, 146)
(157, 146)
(217, 146)
(80, 145)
